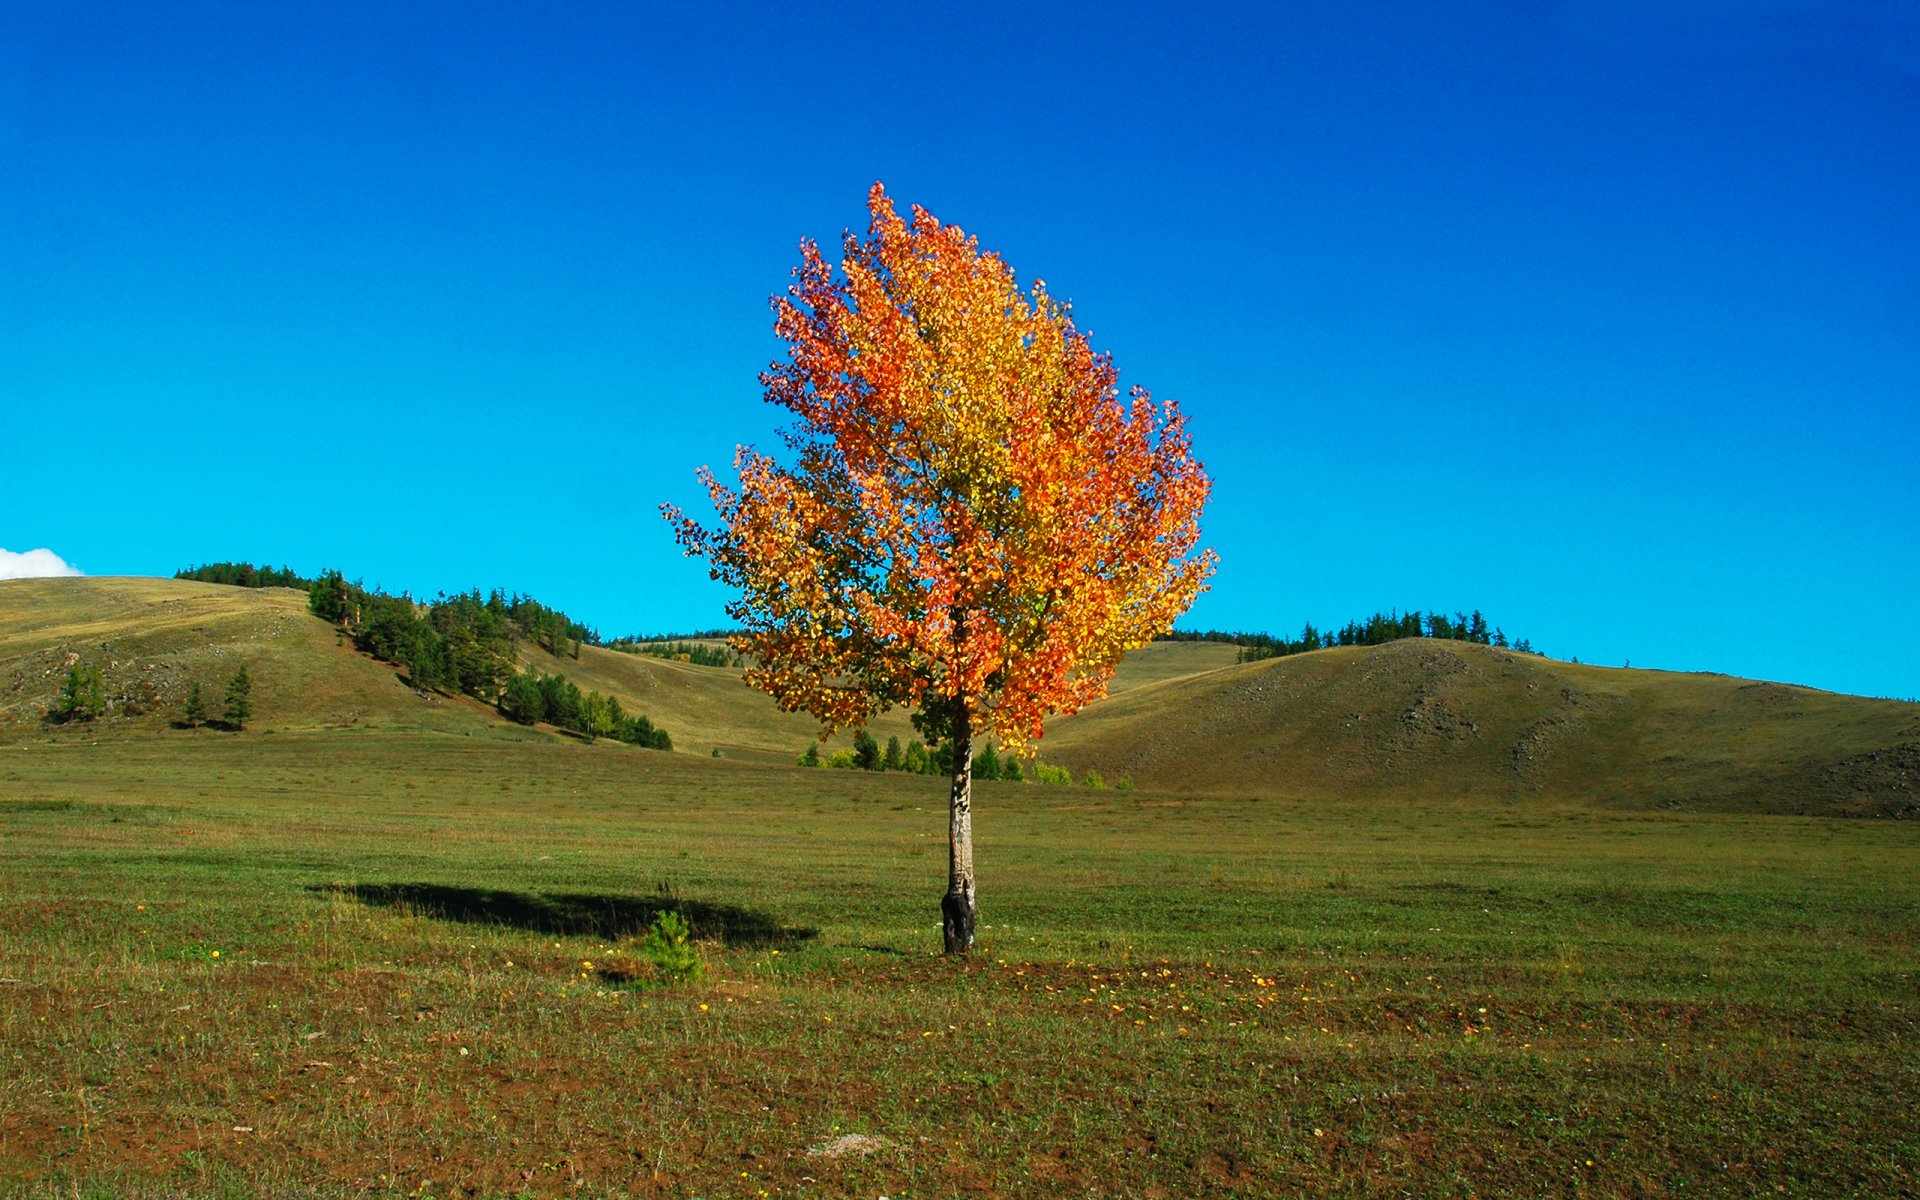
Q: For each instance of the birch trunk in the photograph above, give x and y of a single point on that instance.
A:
(956, 907)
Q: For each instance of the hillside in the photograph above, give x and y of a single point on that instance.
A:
(1457, 719)
(154, 637)
(1417, 717)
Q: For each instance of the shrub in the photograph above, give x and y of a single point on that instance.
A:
(1094, 779)
(669, 947)
(1048, 774)
(1124, 784)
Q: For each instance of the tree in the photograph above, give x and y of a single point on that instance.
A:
(969, 520)
(522, 700)
(83, 694)
(196, 710)
(597, 717)
(894, 759)
(239, 698)
(866, 751)
(812, 756)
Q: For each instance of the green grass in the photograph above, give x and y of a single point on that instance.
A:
(337, 963)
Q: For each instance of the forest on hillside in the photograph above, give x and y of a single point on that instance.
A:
(463, 643)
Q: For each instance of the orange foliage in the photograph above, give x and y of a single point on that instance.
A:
(970, 517)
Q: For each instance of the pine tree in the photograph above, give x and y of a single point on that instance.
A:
(986, 764)
(239, 698)
(866, 751)
(196, 712)
(522, 700)
(812, 757)
(894, 759)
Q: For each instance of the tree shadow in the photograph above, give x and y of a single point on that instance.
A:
(575, 913)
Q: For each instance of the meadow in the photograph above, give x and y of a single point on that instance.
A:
(366, 962)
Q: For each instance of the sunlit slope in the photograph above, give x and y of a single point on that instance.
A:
(1455, 719)
(708, 708)
(702, 708)
(153, 638)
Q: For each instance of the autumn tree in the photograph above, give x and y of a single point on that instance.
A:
(968, 520)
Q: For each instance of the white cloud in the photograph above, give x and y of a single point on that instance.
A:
(34, 564)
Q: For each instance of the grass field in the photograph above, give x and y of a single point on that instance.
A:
(370, 962)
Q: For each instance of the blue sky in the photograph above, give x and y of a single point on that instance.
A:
(1602, 318)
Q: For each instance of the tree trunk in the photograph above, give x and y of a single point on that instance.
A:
(956, 907)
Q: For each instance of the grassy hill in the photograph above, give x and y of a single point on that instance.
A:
(154, 638)
(1463, 720)
(1418, 717)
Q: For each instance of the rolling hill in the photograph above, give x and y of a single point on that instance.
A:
(1459, 719)
(1415, 717)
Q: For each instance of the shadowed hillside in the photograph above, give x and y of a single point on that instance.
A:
(1456, 719)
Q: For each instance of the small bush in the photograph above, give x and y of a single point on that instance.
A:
(668, 946)
(1049, 774)
(1123, 784)
(1094, 779)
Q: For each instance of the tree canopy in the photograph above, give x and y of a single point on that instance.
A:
(969, 519)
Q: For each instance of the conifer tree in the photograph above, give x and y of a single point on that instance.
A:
(239, 698)
(866, 751)
(83, 695)
(196, 711)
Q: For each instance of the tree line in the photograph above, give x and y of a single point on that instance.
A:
(244, 574)
(532, 697)
(700, 654)
(467, 642)
(1378, 629)
(915, 758)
